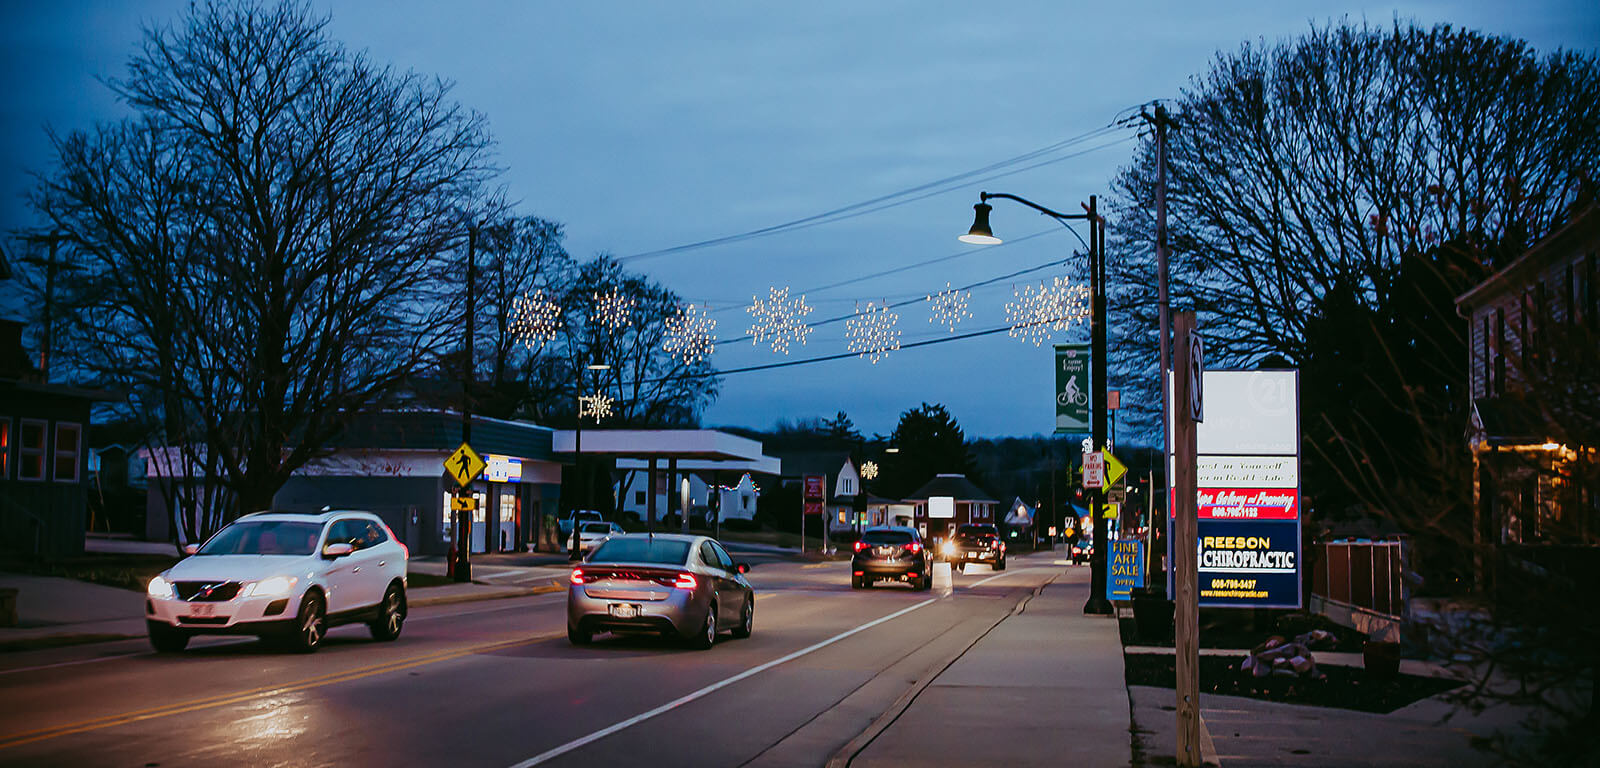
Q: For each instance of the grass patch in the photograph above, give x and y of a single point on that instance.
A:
(124, 571)
(1341, 687)
(416, 580)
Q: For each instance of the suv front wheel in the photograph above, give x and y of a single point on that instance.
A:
(166, 639)
(391, 615)
(311, 624)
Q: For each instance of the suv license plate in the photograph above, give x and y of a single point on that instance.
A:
(202, 610)
(624, 610)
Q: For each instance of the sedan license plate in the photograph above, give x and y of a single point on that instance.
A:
(202, 610)
(624, 610)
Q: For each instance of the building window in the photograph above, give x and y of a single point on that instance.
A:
(68, 446)
(30, 450)
(1499, 350)
(5, 447)
(1488, 366)
(638, 498)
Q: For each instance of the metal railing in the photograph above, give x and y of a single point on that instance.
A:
(1364, 574)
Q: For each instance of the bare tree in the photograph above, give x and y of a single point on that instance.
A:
(257, 246)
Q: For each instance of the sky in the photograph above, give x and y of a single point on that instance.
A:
(645, 126)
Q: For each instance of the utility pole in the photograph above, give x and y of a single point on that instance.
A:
(463, 570)
(1097, 603)
(1185, 557)
(1164, 309)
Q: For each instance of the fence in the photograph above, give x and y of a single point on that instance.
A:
(1369, 575)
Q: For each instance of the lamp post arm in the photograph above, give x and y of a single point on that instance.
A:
(986, 196)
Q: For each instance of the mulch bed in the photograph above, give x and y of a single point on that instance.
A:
(1245, 628)
(1342, 687)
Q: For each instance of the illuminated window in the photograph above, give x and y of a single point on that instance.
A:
(30, 450)
(5, 448)
(68, 439)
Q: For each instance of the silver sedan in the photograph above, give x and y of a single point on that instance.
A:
(674, 585)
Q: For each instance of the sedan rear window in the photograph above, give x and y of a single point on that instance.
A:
(642, 550)
(886, 537)
(596, 527)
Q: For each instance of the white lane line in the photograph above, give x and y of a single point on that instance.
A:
(685, 699)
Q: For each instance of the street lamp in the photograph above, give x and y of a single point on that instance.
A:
(577, 465)
(982, 234)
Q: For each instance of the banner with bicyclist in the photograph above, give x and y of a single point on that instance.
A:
(1072, 388)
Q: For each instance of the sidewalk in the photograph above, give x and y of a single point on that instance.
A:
(1045, 687)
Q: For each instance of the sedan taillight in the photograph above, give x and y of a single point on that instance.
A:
(686, 581)
(577, 575)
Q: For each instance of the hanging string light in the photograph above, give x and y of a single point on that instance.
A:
(690, 335)
(535, 319)
(948, 307)
(869, 470)
(1036, 313)
(596, 406)
(613, 310)
(778, 321)
(873, 332)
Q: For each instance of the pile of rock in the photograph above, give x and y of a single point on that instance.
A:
(1279, 657)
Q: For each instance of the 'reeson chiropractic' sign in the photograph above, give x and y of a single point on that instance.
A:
(1248, 499)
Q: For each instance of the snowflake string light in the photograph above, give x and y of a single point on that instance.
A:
(1055, 306)
(869, 470)
(948, 307)
(613, 310)
(779, 321)
(872, 332)
(690, 335)
(535, 319)
(596, 405)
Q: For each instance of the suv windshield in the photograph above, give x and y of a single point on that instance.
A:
(886, 537)
(975, 531)
(264, 537)
(665, 551)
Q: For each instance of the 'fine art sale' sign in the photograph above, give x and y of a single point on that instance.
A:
(1248, 494)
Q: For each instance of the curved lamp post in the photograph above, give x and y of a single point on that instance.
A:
(982, 234)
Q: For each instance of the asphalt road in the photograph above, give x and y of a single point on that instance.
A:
(495, 683)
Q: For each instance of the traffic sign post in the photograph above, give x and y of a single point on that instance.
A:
(1094, 470)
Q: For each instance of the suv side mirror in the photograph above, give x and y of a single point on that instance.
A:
(742, 567)
(189, 549)
(335, 551)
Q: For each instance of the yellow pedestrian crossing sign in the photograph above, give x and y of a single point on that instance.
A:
(1114, 469)
(465, 465)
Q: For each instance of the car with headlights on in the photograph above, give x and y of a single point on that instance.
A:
(890, 553)
(976, 543)
(668, 584)
(283, 576)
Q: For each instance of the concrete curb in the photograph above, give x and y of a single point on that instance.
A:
(46, 642)
(499, 594)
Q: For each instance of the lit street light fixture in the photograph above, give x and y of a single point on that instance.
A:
(982, 234)
(585, 406)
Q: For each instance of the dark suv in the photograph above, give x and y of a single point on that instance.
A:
(977, 544)
(893, 553)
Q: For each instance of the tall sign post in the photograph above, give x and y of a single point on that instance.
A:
(1189, 367)
(814, 501)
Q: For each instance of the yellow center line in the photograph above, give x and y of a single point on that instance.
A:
(40, 734)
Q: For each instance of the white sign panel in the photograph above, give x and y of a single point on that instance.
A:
(942, 507)
(1249, 413)
(1247, 472)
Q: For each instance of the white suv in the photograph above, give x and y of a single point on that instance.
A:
(283, 576)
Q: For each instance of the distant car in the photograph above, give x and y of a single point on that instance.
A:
(893, 553)
(1082, 550)
(670, 584)
(591, 534)
(283, 576)
(581, 516)
(973, 543)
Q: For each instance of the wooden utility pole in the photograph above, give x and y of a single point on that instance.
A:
(1186, 606)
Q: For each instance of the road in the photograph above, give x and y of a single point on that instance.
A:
(495, 683)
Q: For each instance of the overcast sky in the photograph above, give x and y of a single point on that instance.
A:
(642, 126)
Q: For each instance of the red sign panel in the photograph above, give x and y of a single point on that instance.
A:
(1244, 504)
(815, 508)
(814, 487)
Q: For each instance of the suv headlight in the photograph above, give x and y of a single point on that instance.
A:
(159, 587)
(277, 586)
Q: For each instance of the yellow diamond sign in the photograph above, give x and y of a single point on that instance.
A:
(1114, 469)
(465, 465)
